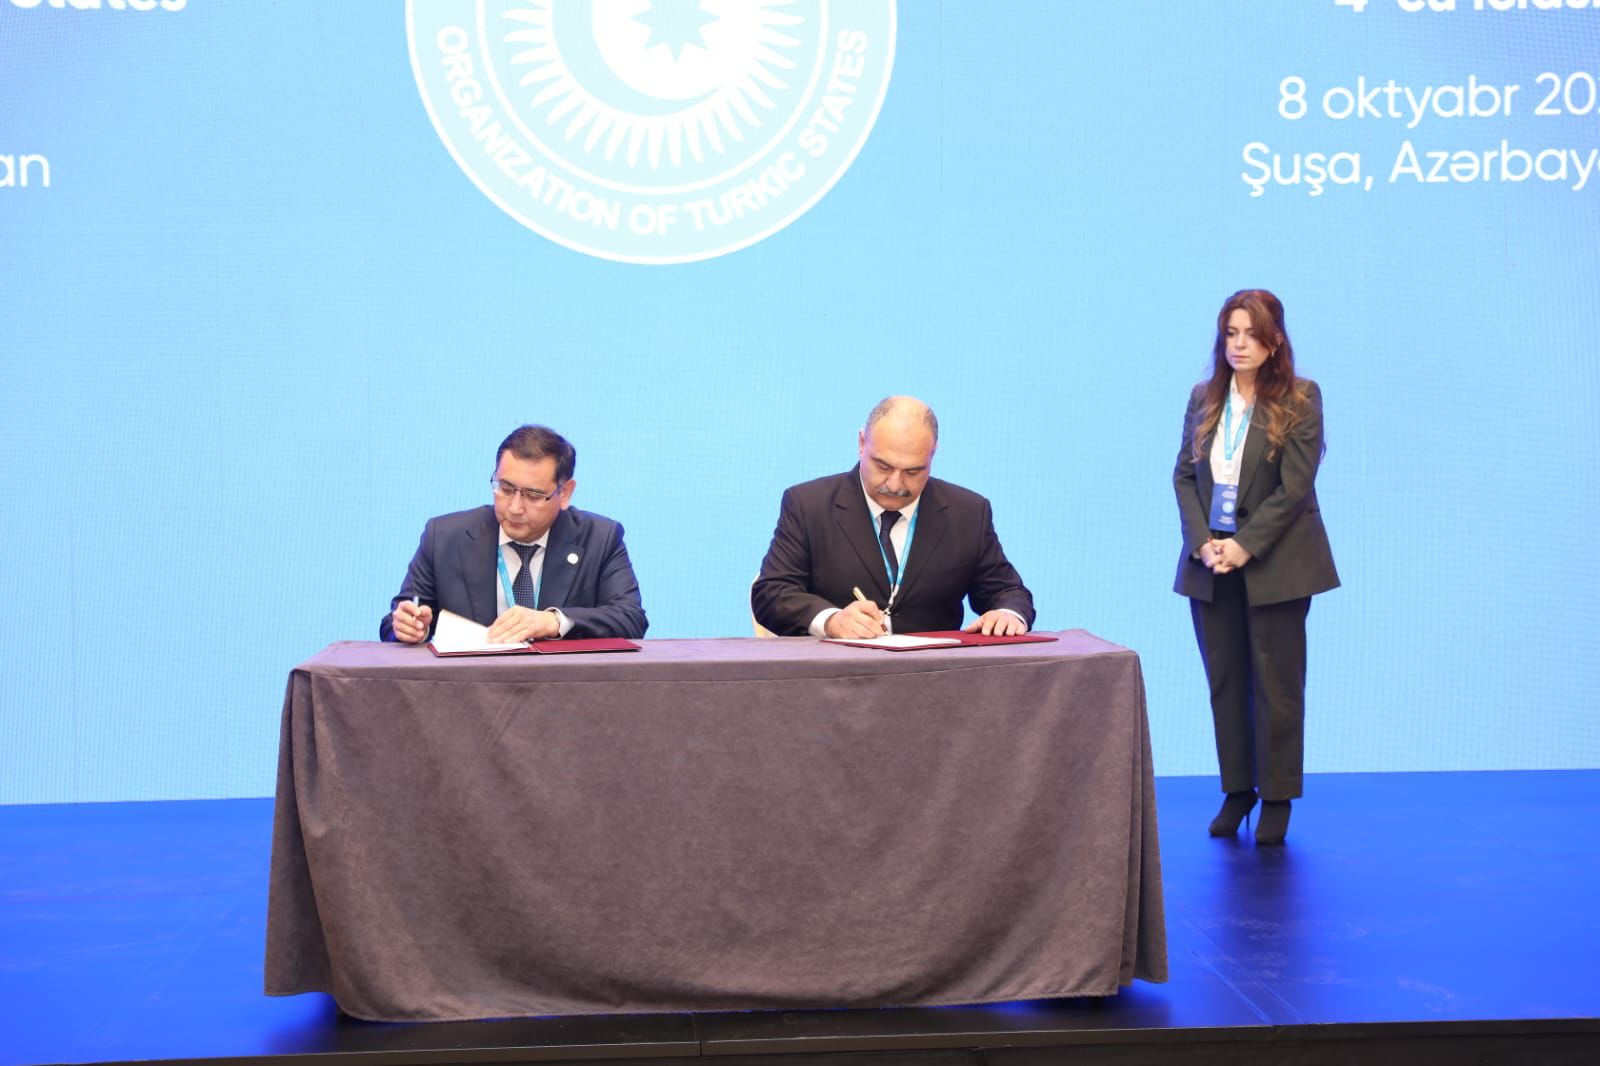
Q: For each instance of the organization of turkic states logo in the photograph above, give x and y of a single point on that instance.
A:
(653, 131)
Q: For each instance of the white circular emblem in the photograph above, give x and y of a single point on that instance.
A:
(653, 131)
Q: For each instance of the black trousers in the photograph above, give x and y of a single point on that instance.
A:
(1255, 659)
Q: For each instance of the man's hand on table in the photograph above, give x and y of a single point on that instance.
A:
(997, 624)
(524, 623)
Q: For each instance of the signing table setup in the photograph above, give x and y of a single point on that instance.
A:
(713, 825)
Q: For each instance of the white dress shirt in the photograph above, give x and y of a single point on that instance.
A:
(897, 536)
(535, 572)
(1224, 472)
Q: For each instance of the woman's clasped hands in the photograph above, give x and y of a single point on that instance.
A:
(1224, 555)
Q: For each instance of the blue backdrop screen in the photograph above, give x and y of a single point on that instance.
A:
(276, 278)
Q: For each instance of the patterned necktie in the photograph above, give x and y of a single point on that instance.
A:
(522, 585)
(886, 522)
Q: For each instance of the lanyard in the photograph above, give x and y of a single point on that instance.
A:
(505, 577)
(1230, 440)
(905, 557)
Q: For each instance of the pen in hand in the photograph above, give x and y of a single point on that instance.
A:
(411, 626)
(860, 598)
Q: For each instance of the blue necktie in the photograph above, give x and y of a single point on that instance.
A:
(522, 584)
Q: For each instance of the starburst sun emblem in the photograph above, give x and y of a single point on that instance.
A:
(643, 83)
(653, 131)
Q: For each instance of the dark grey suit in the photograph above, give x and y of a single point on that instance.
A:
(586, 573)
(1250, 624)
(825, 546)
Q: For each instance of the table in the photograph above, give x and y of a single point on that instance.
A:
(713, 825)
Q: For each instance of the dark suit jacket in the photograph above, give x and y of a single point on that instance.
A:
(1279, 521)
(826, 543)
(454, 570)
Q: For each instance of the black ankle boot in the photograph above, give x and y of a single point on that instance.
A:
(1235, 809)
(1274, 823)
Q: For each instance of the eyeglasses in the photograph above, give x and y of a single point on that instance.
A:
(532, 497)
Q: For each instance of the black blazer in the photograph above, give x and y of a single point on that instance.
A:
(826, 544)
(586, 573)
(1279, 521)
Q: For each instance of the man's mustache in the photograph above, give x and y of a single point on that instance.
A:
(884, 490)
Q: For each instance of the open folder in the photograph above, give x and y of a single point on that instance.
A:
(455, 635)
(944, 638)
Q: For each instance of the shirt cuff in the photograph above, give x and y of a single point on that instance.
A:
(562, 620)
(819, 624)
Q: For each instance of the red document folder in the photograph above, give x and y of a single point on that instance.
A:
(466, 637)
(963, 640)
(549, 647)
(978, 640)
(586, 644)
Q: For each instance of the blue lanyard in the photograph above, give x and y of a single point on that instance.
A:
(505, 577)
(905, 557)
(1230, 440)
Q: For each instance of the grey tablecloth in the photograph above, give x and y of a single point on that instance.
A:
(713, 825)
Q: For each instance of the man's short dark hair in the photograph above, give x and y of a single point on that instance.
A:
(541, 442)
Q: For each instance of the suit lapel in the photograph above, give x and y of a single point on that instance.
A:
(478, 567)
(855, 525)
(556, 580)
(932, 522)
(1255, 445)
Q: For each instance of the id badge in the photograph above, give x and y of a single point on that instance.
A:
(1224, 498)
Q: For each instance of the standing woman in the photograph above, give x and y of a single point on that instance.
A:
(1254, 553)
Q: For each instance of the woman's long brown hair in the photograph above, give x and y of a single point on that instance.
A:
(1279, 394)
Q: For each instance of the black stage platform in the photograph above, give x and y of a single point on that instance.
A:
(1412, 918)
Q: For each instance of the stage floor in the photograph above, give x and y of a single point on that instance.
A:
(1409, 916)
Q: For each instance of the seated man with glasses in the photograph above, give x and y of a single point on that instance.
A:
(529, 567)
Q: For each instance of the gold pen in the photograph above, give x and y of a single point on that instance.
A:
(860, 598)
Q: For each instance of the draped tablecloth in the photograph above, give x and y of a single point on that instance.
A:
(713, 825)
